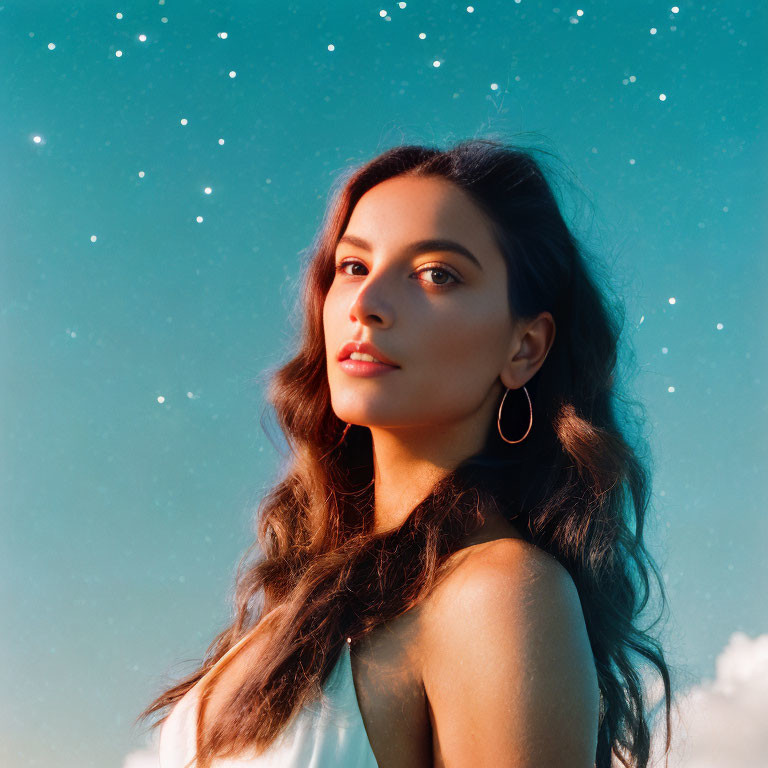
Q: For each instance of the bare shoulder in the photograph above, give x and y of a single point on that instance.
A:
(498, 566)
(507, 664)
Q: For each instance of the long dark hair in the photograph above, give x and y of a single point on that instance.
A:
(577, 486)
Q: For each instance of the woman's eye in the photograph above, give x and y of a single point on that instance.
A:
(440, 270)
(341, 267)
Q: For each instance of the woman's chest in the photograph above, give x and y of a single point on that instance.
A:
(386, 670)
(386, 675)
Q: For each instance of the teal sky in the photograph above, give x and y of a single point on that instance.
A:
(132, 333)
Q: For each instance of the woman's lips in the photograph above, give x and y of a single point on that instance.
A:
(365, 368)
(366, 348)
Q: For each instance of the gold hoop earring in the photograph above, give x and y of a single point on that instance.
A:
(498, 421)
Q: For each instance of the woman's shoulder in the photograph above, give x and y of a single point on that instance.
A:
(496, 562)
(509, 611)
(498, 549)
(512, 556)
(502, 571)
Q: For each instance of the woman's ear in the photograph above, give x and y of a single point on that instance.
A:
(531, 342)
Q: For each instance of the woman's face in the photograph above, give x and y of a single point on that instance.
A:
(444, 319)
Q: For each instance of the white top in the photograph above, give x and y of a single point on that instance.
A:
(323, 734)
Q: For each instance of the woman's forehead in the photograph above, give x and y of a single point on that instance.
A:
(410, 213)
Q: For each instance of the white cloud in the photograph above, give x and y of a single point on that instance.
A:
(148, 757)
(722, 723)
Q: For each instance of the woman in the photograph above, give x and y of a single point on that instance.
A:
(456, 515)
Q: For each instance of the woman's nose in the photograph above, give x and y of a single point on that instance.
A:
(371, 302)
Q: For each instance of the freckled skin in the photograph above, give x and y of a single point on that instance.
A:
(458, 346)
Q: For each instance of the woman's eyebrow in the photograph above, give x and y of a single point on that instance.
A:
(420, 246)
